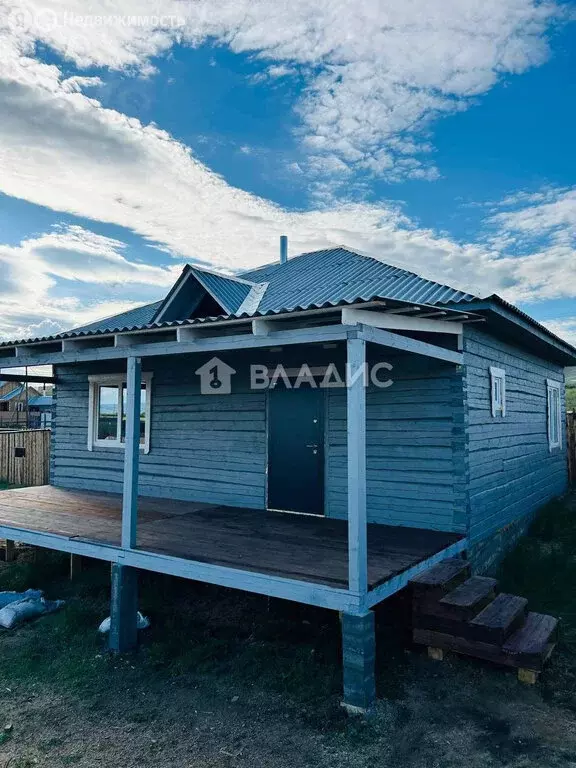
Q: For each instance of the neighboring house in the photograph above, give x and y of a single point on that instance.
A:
(22, 405)
(454, 443)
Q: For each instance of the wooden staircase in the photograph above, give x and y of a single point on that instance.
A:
(454, 611)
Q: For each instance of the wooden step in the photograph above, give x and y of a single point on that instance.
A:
(467, 599)
(503, 616)
(471, 597)
(438, 642)
(440, 579)
(531, 645)
(456, 608)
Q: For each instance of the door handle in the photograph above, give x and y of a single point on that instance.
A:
(312, 445)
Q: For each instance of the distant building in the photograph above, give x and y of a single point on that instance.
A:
(24, 406)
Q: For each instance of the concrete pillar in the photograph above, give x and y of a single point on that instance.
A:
(358, 658)
(123, 609)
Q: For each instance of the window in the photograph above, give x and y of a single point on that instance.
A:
(107, 412)
(498, 391)
(554, 414)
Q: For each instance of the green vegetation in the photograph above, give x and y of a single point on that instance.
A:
(571, 398)
(543, 568)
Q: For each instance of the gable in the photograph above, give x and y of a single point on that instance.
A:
(199, 293)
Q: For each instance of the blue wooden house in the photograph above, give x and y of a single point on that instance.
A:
(320, 429)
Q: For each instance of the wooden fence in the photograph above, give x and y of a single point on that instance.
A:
(25, 457)
(571, 434)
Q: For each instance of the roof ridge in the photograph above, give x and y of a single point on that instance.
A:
(278, 263)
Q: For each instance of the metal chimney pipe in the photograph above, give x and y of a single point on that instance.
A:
(283, 249)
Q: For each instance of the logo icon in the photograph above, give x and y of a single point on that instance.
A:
(215, 377)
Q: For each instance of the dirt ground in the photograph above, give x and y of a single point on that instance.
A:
(228, 680)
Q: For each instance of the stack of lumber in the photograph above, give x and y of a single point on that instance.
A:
(454, 611)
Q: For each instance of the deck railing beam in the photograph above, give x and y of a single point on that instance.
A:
(356, 445)
(132, 452)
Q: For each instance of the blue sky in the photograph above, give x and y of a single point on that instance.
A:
(442, 141)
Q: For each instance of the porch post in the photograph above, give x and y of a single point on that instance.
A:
(132, 452)
(356, 445)
(123, 609)
(358, 632)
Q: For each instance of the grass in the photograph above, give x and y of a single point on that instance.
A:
(196, 630)
(571, 398)
(542, 568)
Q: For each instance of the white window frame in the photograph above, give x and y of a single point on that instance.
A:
(115, 379)
(554, 389)
(497, 374)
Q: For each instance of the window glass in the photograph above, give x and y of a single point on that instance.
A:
(142, 415)
(554, 416)
(498, 393)
(107, 413)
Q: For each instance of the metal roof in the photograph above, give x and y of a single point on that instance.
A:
(227, 291)
(133, 317)
(340, 274)
(11, 395)
(327, 278)
(322, 278)
(40, 401)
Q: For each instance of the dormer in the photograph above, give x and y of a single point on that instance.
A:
(201, 293)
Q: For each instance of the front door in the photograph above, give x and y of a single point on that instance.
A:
(296, 450)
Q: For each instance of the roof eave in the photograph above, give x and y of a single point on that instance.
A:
(505, 311)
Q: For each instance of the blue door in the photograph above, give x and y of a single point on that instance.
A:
(296, 450)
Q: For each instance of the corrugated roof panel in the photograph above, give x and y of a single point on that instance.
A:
(338, 274)
(12, 394)
(41, 401)
(226, 290)
(133, 317)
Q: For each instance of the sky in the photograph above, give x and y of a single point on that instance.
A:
(436, 135)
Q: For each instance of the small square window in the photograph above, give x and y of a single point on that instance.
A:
(107, 412)
(498, 391)
(554, 404)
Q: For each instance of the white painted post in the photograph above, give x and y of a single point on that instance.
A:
(356, 444)
(132, 452)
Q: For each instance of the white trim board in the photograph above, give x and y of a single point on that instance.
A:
(395, 321)
(407, 344)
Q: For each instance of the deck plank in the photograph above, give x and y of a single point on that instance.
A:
(294, 546)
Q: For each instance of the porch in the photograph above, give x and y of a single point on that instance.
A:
(193, 444)
(311, 551)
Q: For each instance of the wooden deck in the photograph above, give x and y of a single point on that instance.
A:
(312, 549)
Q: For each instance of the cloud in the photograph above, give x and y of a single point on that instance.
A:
(566, 329)
(372, 72)
(538, 231)
(550, 212)
(32, 271)
(62, 149)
